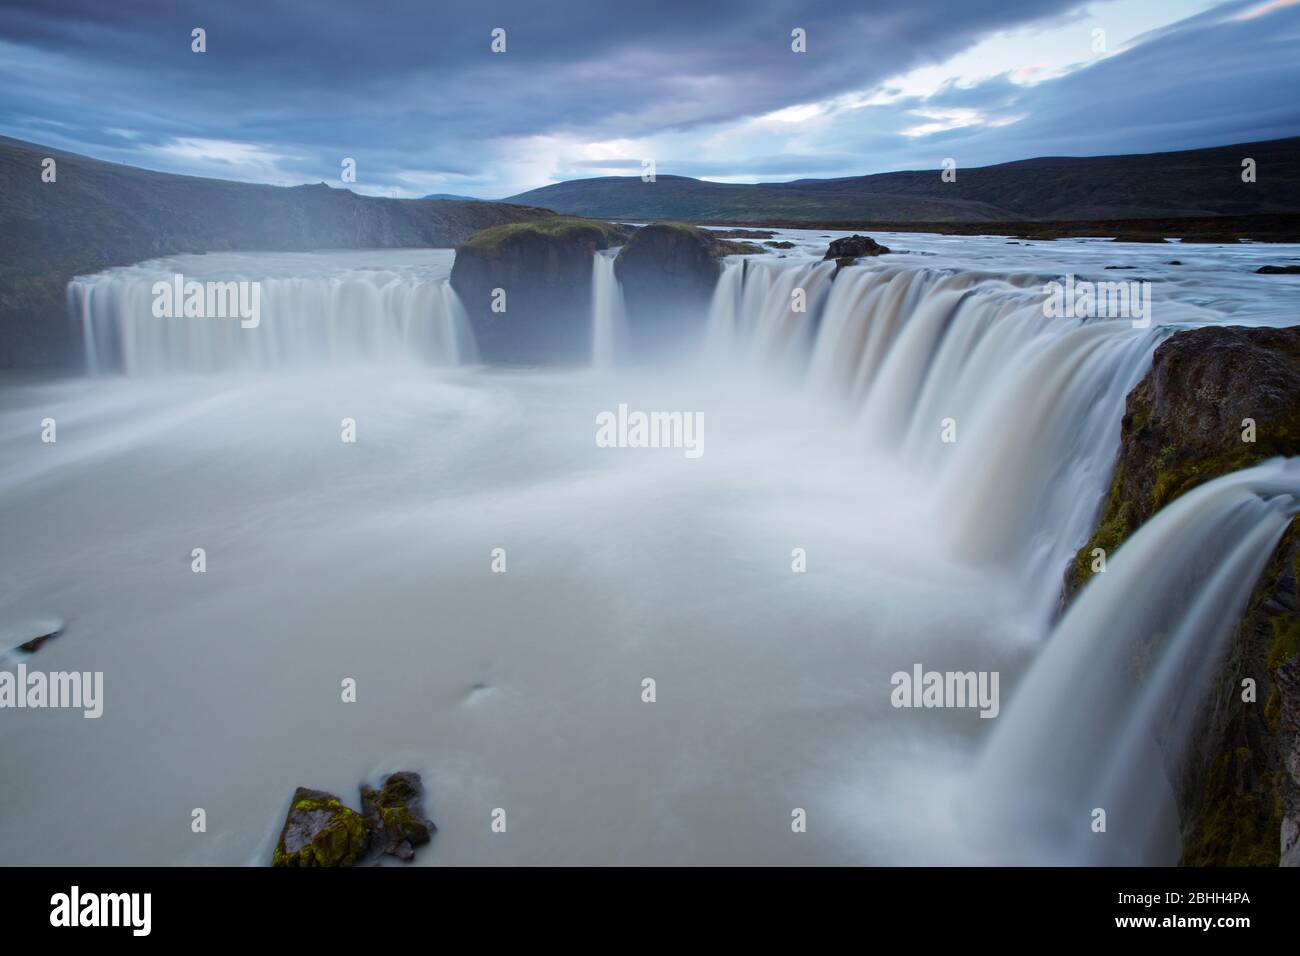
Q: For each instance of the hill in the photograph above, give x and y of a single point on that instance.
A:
(97, 214)
(1190, 183)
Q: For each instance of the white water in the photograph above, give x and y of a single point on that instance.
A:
(316, 308)
(1035, 401)
(523, 690)
(1102, 715)
(608, 319)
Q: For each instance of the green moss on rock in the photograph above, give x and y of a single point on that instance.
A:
(496, 239)
(1182, 428)
(1183, 425)
(320, 831)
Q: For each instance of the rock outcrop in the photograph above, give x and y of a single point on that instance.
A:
(28, 635)
(393, 815)
(321, 831)
(850, 249)
(854, 247)
(542, 313)
(1184, 425)
(668, 271)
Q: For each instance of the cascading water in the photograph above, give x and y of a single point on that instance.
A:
(401, 309)
(623, 562)
(608, 319)
(1102, 719)
(766, 312)
(1035, 401)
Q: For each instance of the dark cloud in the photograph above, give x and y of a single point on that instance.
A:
(413, 92)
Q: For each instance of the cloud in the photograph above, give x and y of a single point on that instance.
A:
(413, 92)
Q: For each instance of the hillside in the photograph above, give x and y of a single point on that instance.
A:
(99, 214)
(1200, 182)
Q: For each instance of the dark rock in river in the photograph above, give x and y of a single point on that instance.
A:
(1278, 270)
(782, 244)
(393, 815)
(320, 830)
(854, 247)
(668, 272)
(28, 635)
(1239, 794)
(544, 270)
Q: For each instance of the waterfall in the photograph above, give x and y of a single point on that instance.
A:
(1105, 713)
(1035, 401)
(754, 313)
(608, 319)
(348, 315)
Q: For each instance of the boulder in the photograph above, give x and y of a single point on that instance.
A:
(1182, 423)
(544, 270)
(28, 635)
(320, 830)
(1239, 793)
(1278, 270)
(854, 247)
(668, 271)
(393, 814)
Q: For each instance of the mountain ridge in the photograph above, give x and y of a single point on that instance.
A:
(1185, 183)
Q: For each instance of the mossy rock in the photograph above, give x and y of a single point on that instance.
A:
(668, 271)
(1182, 428)
(544, 269)
(1183, 424)
(393, 815)
(593, 233)
(320, 830)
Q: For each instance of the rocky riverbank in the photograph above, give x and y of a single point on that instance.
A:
(1216, 400)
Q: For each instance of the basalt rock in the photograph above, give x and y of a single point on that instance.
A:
(668, 272)
(321, 831)
(28, 635)
(1239, 792)
(1183, 423)
(394, 817)
(854, 247)
(542, 313)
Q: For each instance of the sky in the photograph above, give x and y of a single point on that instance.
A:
(416, 95)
